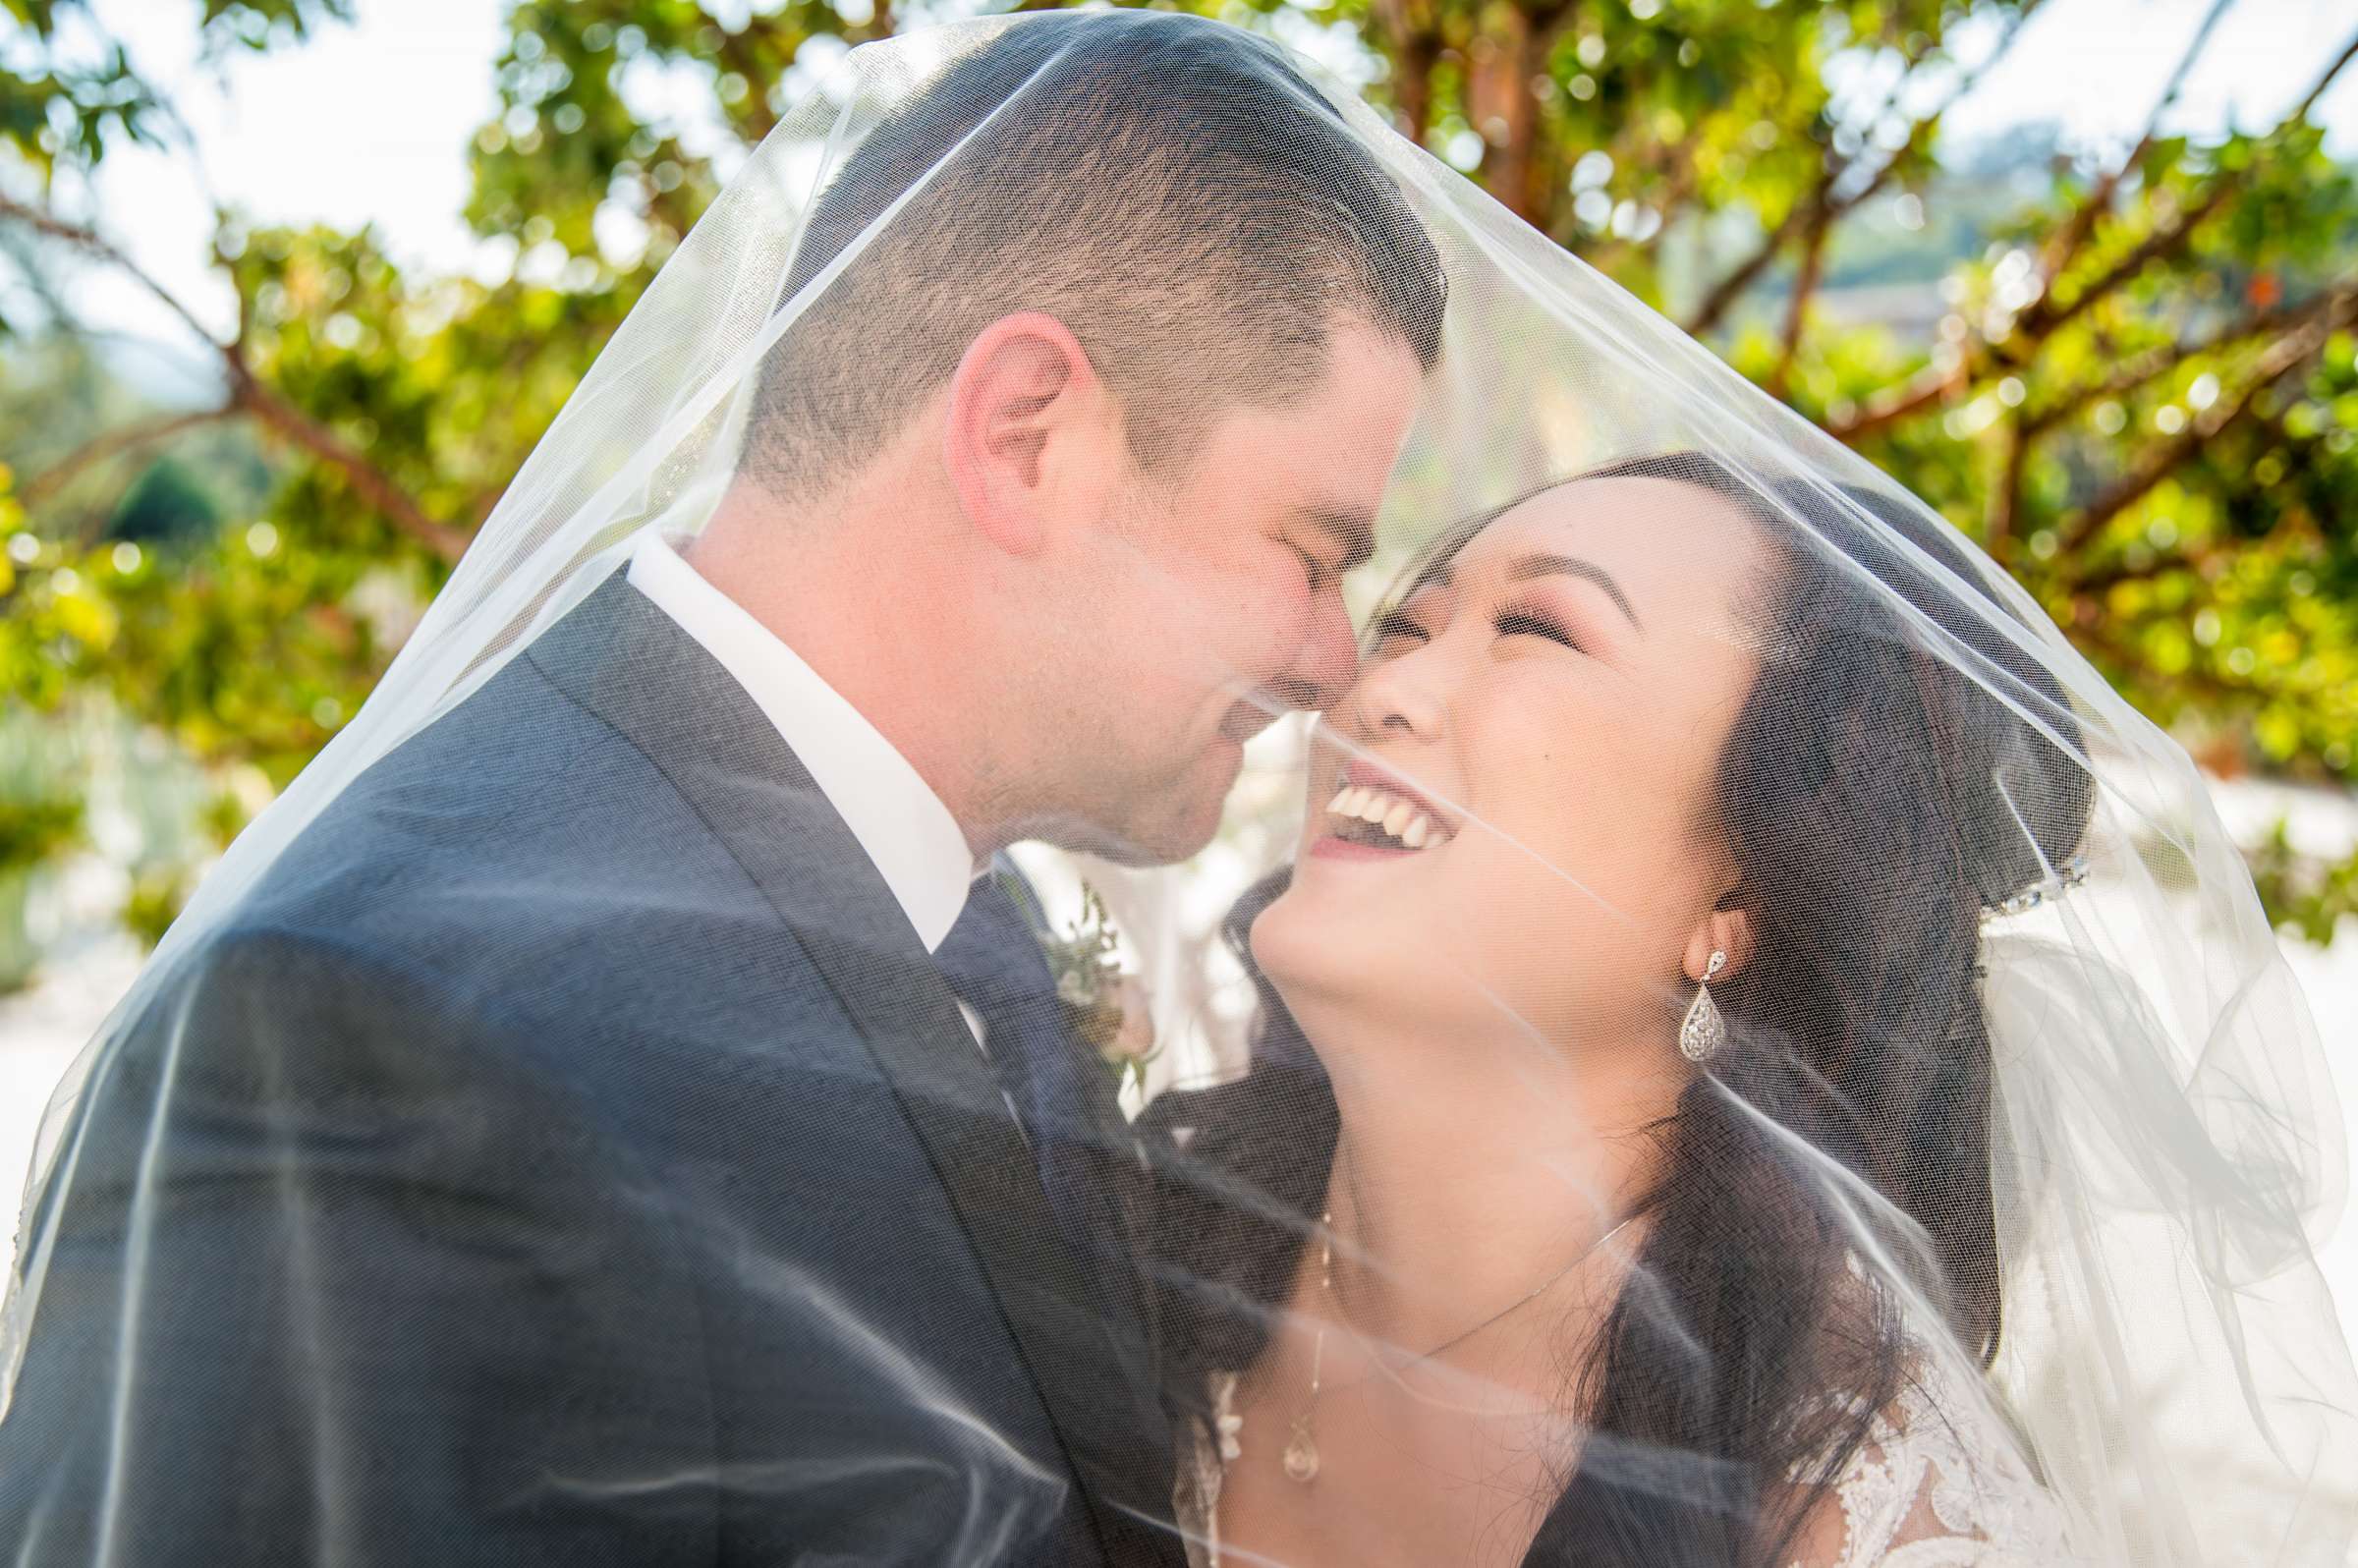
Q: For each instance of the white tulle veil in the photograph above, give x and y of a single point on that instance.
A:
(2162, 1151)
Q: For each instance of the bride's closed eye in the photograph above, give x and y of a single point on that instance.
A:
(1398, 624)
(1521, 620)
(1513, 620)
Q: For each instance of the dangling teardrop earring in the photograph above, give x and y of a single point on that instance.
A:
(1704, 1031)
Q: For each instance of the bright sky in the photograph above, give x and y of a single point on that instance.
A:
(369, 123)
(366, 124)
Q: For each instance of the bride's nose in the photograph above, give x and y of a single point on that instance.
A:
(1403, 694)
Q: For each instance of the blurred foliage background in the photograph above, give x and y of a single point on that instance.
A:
(2129, 373)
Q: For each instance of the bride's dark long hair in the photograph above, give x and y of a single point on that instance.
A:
(1877, 800)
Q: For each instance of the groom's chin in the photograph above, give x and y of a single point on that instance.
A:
(1168, 826)
(1136, 845)
(1166, 841)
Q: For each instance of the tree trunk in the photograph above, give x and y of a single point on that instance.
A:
(1506, 111)
(1413, 46)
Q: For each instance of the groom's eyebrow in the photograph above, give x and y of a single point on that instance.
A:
(1531, 566)
(1352, 531)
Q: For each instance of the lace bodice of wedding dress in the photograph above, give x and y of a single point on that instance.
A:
(1938, 1484)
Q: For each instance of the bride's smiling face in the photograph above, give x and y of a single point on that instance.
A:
(1541, 719)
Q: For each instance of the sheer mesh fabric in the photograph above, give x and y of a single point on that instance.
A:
(1095, 451)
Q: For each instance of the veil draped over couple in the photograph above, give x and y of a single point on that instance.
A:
(1144, 841)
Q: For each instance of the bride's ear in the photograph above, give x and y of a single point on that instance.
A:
(1031, 432)
(1724, 931)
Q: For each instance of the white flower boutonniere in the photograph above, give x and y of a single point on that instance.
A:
(1105, 1006)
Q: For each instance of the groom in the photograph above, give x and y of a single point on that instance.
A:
(618, 1130)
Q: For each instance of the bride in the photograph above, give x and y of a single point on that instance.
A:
(1614, 1181)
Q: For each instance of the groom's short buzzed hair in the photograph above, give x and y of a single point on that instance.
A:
(1170, 189)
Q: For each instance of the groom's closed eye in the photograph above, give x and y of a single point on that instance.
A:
(1344, 537)
(1317, 572)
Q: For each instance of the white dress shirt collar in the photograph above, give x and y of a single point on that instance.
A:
(897, 818)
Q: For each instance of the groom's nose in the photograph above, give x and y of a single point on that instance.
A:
(1325, 663)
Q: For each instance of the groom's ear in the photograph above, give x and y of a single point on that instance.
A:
(1032, 433)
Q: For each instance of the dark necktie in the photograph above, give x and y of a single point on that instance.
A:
(1064, 1098)
(993, 963)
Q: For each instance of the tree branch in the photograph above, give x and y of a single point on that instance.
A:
(2206, 681)
(2158, 464)
(370, 482)
(2075, 231)
(1416, 49)
(2284, 357)
(249, 395)
(1805, 286)
(1813, 217)
(2043, 315)
(2098, 583)
(113, 443)
(1898, 404)
(1730, 288)
(2138, 370)
(2006, 497)
(479, 511)
(57, 228)
(2300, 111)
(1820, 206)
(1514, 167)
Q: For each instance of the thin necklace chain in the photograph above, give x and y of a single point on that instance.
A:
(1301, 1458)
(1326, 1285)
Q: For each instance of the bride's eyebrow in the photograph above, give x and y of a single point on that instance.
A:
(1531, 566)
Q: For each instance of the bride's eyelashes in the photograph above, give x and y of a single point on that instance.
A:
(1510, 620)
(1395, 624)
(1523, 620)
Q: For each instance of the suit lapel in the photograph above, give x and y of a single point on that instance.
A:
(628, 662)
(1115, 1155)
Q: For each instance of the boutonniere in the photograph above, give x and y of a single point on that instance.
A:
(1104, 1006)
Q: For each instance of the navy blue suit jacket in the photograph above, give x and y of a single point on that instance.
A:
(567, 1155)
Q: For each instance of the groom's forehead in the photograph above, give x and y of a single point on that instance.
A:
(1327, 456)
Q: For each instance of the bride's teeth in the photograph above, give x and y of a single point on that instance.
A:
(1402, 820)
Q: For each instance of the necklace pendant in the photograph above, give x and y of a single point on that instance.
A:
(1302, 1455)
